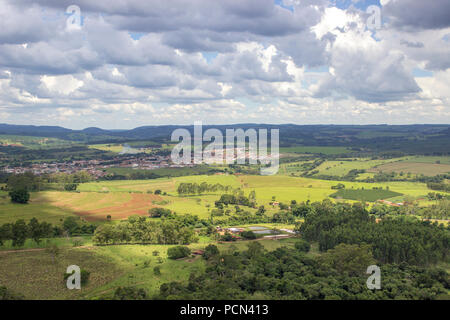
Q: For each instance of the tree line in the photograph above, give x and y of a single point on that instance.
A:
(188, 188)
(31, 182)
(19, 231)
(144, 230)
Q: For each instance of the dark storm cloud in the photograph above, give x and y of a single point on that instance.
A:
(418, 14)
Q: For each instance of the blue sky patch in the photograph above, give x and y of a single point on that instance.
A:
(209, 56)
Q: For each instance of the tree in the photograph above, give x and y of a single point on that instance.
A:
(25, 181)
(261, 210)
(210, 251)
(19, 233)
(54, 251)
(5, 232)
(70, 186)
(349, 258)
(130, 293)
(70, 224)
(255, 248)
(249, 235)
(159, 212)
(19, 196)
(157, 271)
(178, 252)
(35, 230)
(302, 245)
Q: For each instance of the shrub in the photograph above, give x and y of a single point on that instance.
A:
(157, 271)
(227, 237)
(250, 235)
(159, 212)
(178, 252)
(77, 242)
(19, 196)
(130, 293)
(70, 186)
(302, 245)
(6, 294)
(210, 251)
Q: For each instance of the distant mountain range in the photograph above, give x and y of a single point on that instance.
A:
(389, 137)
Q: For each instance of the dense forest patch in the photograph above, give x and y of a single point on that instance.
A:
(364, 194)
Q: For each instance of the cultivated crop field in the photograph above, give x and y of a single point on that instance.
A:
(97, 206)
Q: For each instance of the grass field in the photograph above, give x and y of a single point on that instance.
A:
(38, 275)
(341, 168)
(97, 206)
(138, 261)
(114, 147)
(421, 159)
(315, 150)
(425, 168)
(120, 199)
(43, 210)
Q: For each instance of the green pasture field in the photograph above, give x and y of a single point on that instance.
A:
(121, 199)
(168, 185)
(37, 274)
(292, 167)
(365, 195)
(138, 261)
(366, 175)
(315, 150)
(36, 208)
(128, 185)
(423, 159)
(117, 147)
(425, 168)
(111, 147)
(192, 205)
(341, 168)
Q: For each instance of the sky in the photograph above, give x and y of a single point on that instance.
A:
(129, 63)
